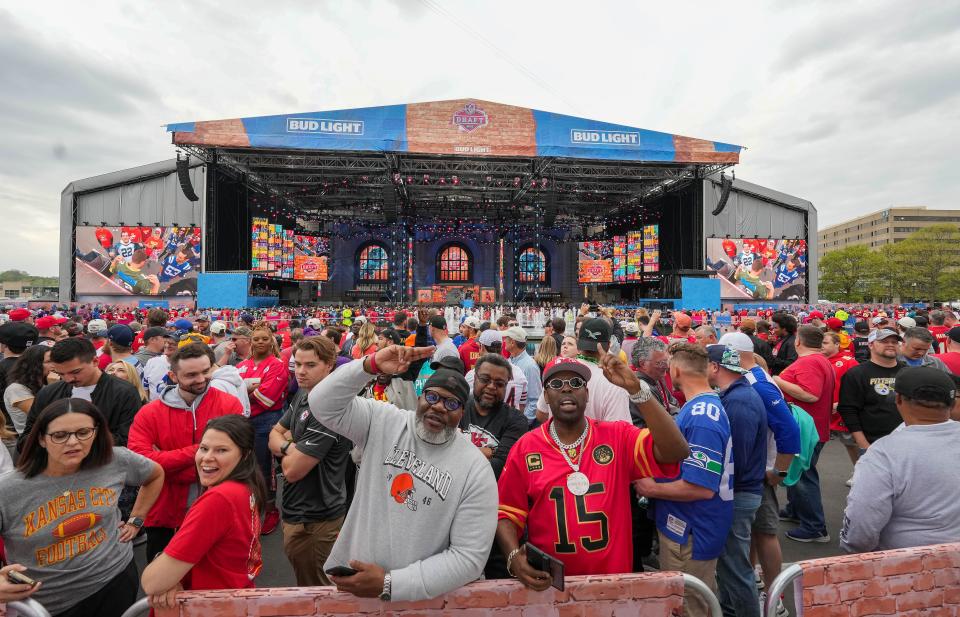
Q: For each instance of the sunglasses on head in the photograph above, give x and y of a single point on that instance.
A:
(575, 383)
(450, 404)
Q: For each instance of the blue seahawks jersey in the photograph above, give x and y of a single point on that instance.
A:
(704, 423)
(785, 276)
(171, 269)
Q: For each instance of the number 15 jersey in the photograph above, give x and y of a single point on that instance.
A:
(591, 533)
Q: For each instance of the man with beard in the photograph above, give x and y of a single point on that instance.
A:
(515, 394)
(424, 513)
(493, 426)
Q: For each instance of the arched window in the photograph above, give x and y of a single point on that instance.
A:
(531, 266)
(454, 265)
(373, 263)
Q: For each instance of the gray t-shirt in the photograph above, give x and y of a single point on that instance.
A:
(16, 393)
(65, 529)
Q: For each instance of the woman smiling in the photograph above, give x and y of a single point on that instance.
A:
(218, 544)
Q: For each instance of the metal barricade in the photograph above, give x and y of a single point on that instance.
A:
(27, 608)
(779, 585)
(140, 608)
(695, 584)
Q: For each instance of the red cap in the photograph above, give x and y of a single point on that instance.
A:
(19, 314)
(45, 323)
(834, 324)
(815, 315)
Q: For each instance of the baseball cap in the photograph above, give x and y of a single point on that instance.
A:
(815, 315)
(954, 334)
(156, 331)
(392, 335)
(472, 322)
(450, 363)
(360, 319)
(450, 380)
(737, 340)
(96, 326)
(121, 335)
(592, 332)
(183, 324)
(313, 322)
(19, 314)
(242, 331)
(879, 335)
(631, 327)
(219, 327)
(861, 327)
(246, 318)
(682, 320)
(922, 321)
(727, 357)
(907, 322)
(516, 333)
(878, 320)
(438, 322)
(18, 334)
(72, 328)
(561, 364)
(492, 337)
(202, 317)
(45, 323)
(834, 324)
(925, 383)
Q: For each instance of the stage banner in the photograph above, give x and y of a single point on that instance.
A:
(425, 295)
(651, 249)
(595, 261)
(759, 268)
(148, 261)
(310, 268)
(488, 295)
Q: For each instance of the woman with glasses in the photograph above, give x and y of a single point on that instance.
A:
(59, 516)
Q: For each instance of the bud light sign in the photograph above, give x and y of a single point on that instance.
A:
(470, 118)
(325, 126)
(604, 138)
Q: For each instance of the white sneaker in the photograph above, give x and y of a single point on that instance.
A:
(850, 481)
(759, 579)
(782, 610)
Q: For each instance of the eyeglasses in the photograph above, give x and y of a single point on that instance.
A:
(83, 434)
(659, 363)
(575, 383)
(486, 380)
(450, 404)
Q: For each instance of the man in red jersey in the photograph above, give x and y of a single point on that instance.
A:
(841, 361)
(939, 331)
(951, 357)
(567, 483)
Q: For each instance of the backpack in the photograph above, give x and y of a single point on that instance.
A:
(809, 438)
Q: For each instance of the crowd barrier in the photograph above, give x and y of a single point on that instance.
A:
(651, 595)
(921, 581)
(23, 608)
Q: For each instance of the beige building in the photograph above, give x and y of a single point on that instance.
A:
(25, 290)
(883, 227)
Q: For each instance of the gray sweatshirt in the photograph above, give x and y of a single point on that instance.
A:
(905, 491)
(425, 513)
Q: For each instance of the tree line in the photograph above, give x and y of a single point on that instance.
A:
(923, 267)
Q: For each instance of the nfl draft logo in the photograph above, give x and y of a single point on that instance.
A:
(470, 118)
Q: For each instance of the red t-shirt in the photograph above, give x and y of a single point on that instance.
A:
(221, 537)
(470, 353)
(841, 362)
(590, 533)
(940, 335)
(274, 376)
(951, 359)
(814, 374)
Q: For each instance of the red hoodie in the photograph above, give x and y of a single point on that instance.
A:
(167, 433)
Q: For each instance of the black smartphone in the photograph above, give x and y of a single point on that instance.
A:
(539, 560)
(19, 578)
(340, 571)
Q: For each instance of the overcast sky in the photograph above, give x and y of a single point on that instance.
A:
(853, 106)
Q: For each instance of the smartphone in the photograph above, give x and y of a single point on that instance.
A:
(19, 578)
(340, 571)
(539, 560)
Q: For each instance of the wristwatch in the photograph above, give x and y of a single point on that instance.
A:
(643, 395)
(136, 521)
(385, 594)
(284, 448)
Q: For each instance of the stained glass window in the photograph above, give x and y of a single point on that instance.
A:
(455, 264)
(532, 266)
(374, 263)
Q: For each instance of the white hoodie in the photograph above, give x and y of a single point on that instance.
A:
(227, 379)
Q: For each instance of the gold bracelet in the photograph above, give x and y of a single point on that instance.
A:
(510, 557)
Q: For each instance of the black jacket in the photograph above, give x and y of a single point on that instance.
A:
(785, 356)
(499, 429)
(861, 349)
(116, 399)
(762, 349)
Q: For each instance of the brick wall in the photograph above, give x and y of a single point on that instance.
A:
(912, 582)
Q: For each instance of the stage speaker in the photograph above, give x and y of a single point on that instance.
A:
(390, 205)
(183, 174)
(725, 185)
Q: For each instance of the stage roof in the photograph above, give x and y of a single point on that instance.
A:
(459, 158)
(456, 127)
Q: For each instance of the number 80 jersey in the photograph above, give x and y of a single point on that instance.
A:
(591, 533)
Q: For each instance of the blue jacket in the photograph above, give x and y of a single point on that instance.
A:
(748, 428)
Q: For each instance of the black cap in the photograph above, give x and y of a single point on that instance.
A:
(451, 381)
(594, 331)
(924, 383)
(156, 331)
(18, 334)
(954, 334)
(453, 363)
(438, 322)
(922, 321)
(391, 335)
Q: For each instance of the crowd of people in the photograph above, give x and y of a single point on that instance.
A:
(405, 452)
